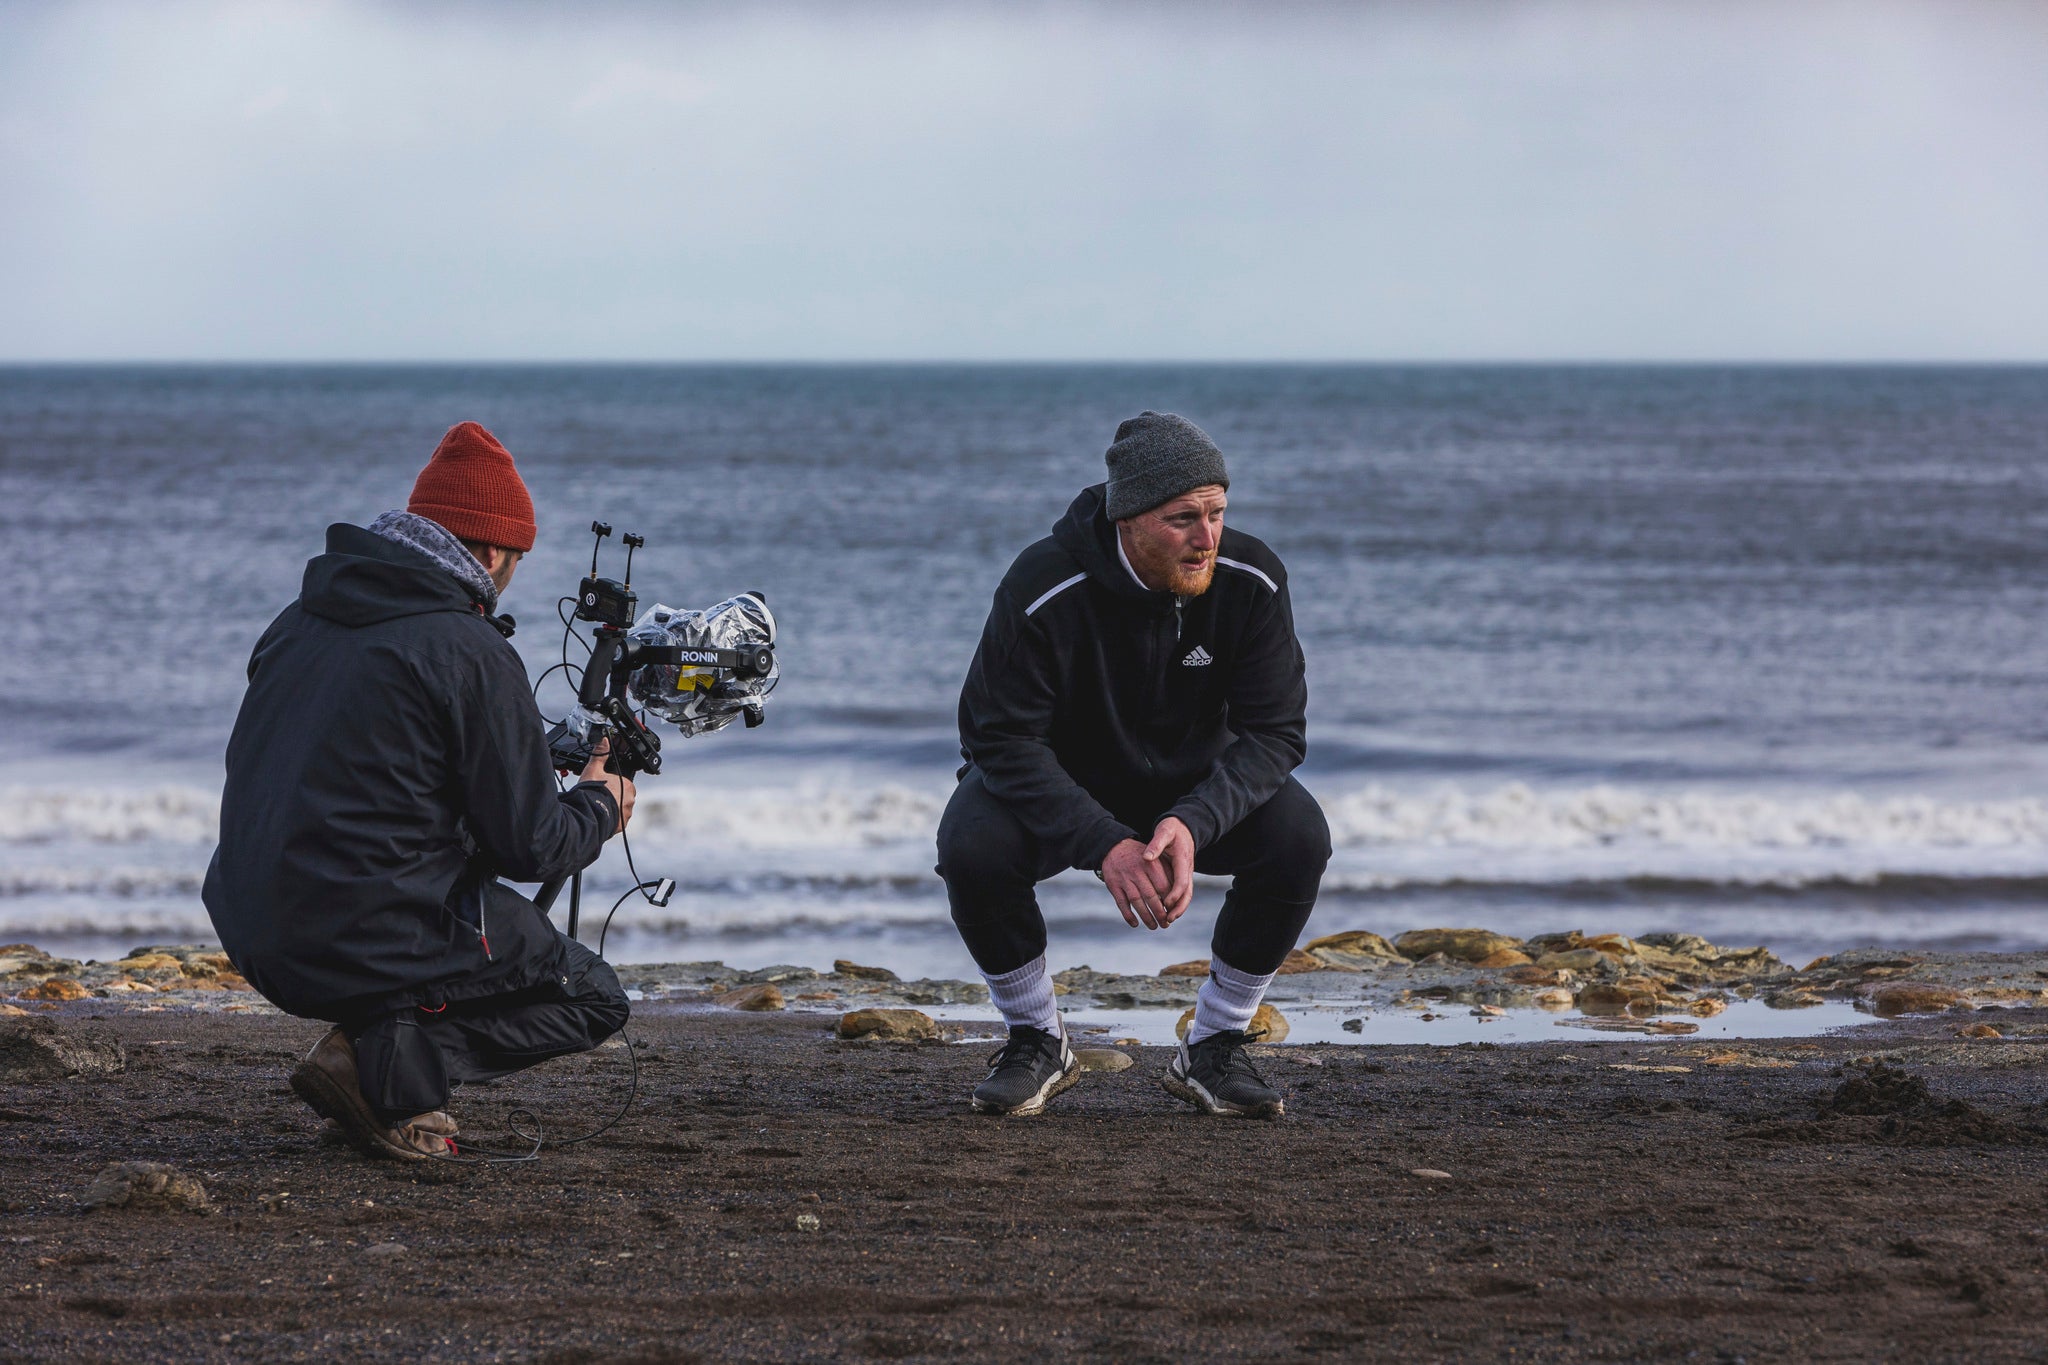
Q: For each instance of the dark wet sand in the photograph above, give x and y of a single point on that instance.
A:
(1593, 1212)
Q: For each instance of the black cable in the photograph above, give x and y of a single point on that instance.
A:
(605, 928)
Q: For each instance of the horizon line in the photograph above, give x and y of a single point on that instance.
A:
(8, 363)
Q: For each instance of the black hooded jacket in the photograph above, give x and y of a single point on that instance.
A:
(387, 764)
(1091, 693)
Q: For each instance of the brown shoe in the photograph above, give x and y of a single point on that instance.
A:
(326, 1080)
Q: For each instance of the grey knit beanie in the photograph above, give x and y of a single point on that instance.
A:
(1157, 457)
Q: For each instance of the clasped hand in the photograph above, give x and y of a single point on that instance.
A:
(1153, 883)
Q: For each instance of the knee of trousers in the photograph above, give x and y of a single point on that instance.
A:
(984, 849)
(1297, 853)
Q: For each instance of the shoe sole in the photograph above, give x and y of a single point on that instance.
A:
(1183, 1088)
(1036, 1104)
(326, 1099)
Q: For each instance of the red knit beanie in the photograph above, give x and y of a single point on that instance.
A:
(470, 487)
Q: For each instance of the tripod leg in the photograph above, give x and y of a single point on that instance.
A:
(575, 901)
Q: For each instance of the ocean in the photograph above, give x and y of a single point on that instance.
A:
(1754, 653)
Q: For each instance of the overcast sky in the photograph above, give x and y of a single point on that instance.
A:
(1810, 180)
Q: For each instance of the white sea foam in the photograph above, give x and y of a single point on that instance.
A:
(1516, 816)
(851, 814)
(108, 815)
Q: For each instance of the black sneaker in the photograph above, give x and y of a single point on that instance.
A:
(1027, 1072)
(1216, 1076)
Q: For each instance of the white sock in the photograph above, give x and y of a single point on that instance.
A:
(1227, 1000)
(1025, 997)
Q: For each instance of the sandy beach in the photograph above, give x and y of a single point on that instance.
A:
(775, 1192)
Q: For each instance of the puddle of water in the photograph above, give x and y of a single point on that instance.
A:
(1453, 1024)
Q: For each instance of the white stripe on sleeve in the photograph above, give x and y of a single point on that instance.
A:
(1056, 589)
(1229, 563)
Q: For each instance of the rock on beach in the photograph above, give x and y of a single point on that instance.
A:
(1268, 1021)
(1356, 949)
(36, 1049)
(889, 1025)
(1463, 945)
(761, 996)
(145, 1185)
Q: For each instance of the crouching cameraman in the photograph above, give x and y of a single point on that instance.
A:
(387, 767)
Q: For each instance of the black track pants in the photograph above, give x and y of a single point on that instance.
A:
(991, 864)
(407, 1061)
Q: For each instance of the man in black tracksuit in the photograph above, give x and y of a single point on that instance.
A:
(387, 766)
(1136, 707)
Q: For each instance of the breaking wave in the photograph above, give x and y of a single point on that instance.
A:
(108, 815)
(1516, 816)
(1513, 816)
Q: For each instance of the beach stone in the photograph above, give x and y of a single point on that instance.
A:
(145, 1185)
(889, 1025)
(807, 1222)
(34, 1049)
(1572, 960)
(1533, 975)
(1553, 998)
(779, 973)
(1465, 945)
(1793, 1000)
(1630, 995)
(1198, 967)
(1505, 957)
(1355, 948)
(1979, 1031)
(24, 964)
(1269, 1021)
(1707, 1006)
(764, 995)
(56, 988)
(384, 1251)
(1297, 962)
(842, 967)
(1429, 1173)
(12, 1012)
(1895, 998)
(1102, 1059)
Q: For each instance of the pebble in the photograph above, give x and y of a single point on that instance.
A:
(1430, 1173)
(764, 996)
(145, 1185)
(61, 988)
(38, 1049)
(842, 967)
(1912, 997)
(807, 1222)
(891, 1025)
(1465, 945)
(1268, 1021)
(384, 1251)
(1356, 949)
(1102, 1059)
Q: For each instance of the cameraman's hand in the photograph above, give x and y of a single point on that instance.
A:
(621, 787)
(1139, 884)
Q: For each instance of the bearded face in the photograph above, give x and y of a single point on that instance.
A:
(1173, 546)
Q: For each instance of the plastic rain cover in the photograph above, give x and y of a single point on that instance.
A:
(700, 700)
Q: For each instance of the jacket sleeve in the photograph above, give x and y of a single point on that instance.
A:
(1006, 715)
(1267, 711)
(530, 831)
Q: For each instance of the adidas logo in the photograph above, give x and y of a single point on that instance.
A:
(1198, 657)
